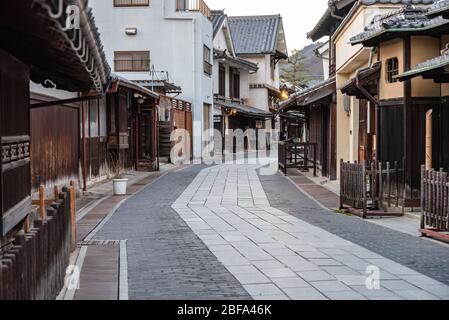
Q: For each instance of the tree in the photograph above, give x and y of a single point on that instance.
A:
(294, 73)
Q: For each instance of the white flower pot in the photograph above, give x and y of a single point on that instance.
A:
(119, 186)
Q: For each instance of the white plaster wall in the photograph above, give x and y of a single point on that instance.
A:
(175, 41)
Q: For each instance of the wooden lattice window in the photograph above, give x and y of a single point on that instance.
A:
(131, 61)
(131, 3)
(392, 69)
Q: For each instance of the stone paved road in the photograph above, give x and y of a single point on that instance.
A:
(226, 232)
(278, 255)
(166, 260)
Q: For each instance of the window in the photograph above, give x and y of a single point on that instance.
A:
(236, 85)
(272, 68)
(206, 58)
(93, 118)
(131, 3)
(392, 69)
(222, 81)
(131, 61)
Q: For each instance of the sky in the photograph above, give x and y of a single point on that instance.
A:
(299, 16)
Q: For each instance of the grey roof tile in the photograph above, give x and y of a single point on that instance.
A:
(255, 34)
(217, 18)
(406, 19)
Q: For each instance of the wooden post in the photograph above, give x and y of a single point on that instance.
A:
(423, 197)
(314, 160)
(342, 188)
(42, 213)
(363, 177)
(72, 195)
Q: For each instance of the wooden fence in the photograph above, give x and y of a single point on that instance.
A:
(371, 186)
(33, 264)
(300, 155)
(435, 200)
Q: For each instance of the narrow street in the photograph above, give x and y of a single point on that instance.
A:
(226, 232)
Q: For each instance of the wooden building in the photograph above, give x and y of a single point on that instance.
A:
(37, 45)
(314, 108)
(406, 129)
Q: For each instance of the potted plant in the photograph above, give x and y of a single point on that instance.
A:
(119, 182)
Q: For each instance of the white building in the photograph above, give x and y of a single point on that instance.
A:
(169, 35)
(261, 40)
(232, 107)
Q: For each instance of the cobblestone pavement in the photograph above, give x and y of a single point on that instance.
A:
(285, 246)
(166, 260)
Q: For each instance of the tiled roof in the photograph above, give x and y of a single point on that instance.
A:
(406, 19)
(255, 34)
(440, 62)
(235, 60)
(439, 7)
(217, 18)
(243, 109)
(311, 94)
(340, 8)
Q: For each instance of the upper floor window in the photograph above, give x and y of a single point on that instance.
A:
(131, 61)
(131, 3)
(222, 81)
(392, 69)
(234, 83)
(207, 60)
(272, 68)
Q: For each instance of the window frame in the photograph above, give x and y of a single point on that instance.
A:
(391, 70)
(132, 53)
(207, 65)
(131, 3)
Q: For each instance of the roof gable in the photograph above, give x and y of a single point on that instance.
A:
(221, 27)
(257, 34)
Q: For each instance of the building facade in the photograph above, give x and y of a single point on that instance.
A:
(173, 36)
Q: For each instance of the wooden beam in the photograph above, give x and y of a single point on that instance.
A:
(64, 102)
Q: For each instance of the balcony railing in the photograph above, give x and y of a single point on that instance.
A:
(208, 68)
(131, 65)
(194, 6)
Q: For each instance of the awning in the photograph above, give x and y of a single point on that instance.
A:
(69, 59)
(366, 80)
(123, 82)
(244, 110)
(436, 69)
(310, 95)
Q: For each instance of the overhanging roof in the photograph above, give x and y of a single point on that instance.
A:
(242, 109)
(310, 95)
(123, 82)
(34, 32)
(436, 69)
(364, 77)
(235, 61)
(439, 8)
(407, 20)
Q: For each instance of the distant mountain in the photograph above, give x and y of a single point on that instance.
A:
(313, 64)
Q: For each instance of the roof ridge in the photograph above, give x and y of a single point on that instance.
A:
(256, 16)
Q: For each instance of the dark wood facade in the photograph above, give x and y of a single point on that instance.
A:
(15, 172)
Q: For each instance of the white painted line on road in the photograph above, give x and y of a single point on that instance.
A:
(70, 293)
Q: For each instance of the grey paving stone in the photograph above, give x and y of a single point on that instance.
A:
(166, 260)
(291, 282)
(330, 286)
(278, 273)
(325, 262)
(317, 275)
(340, 270)
(304, 294)
(263, 290)
(397, 285)
(345, 295)
(416, 295)
(418, 254)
